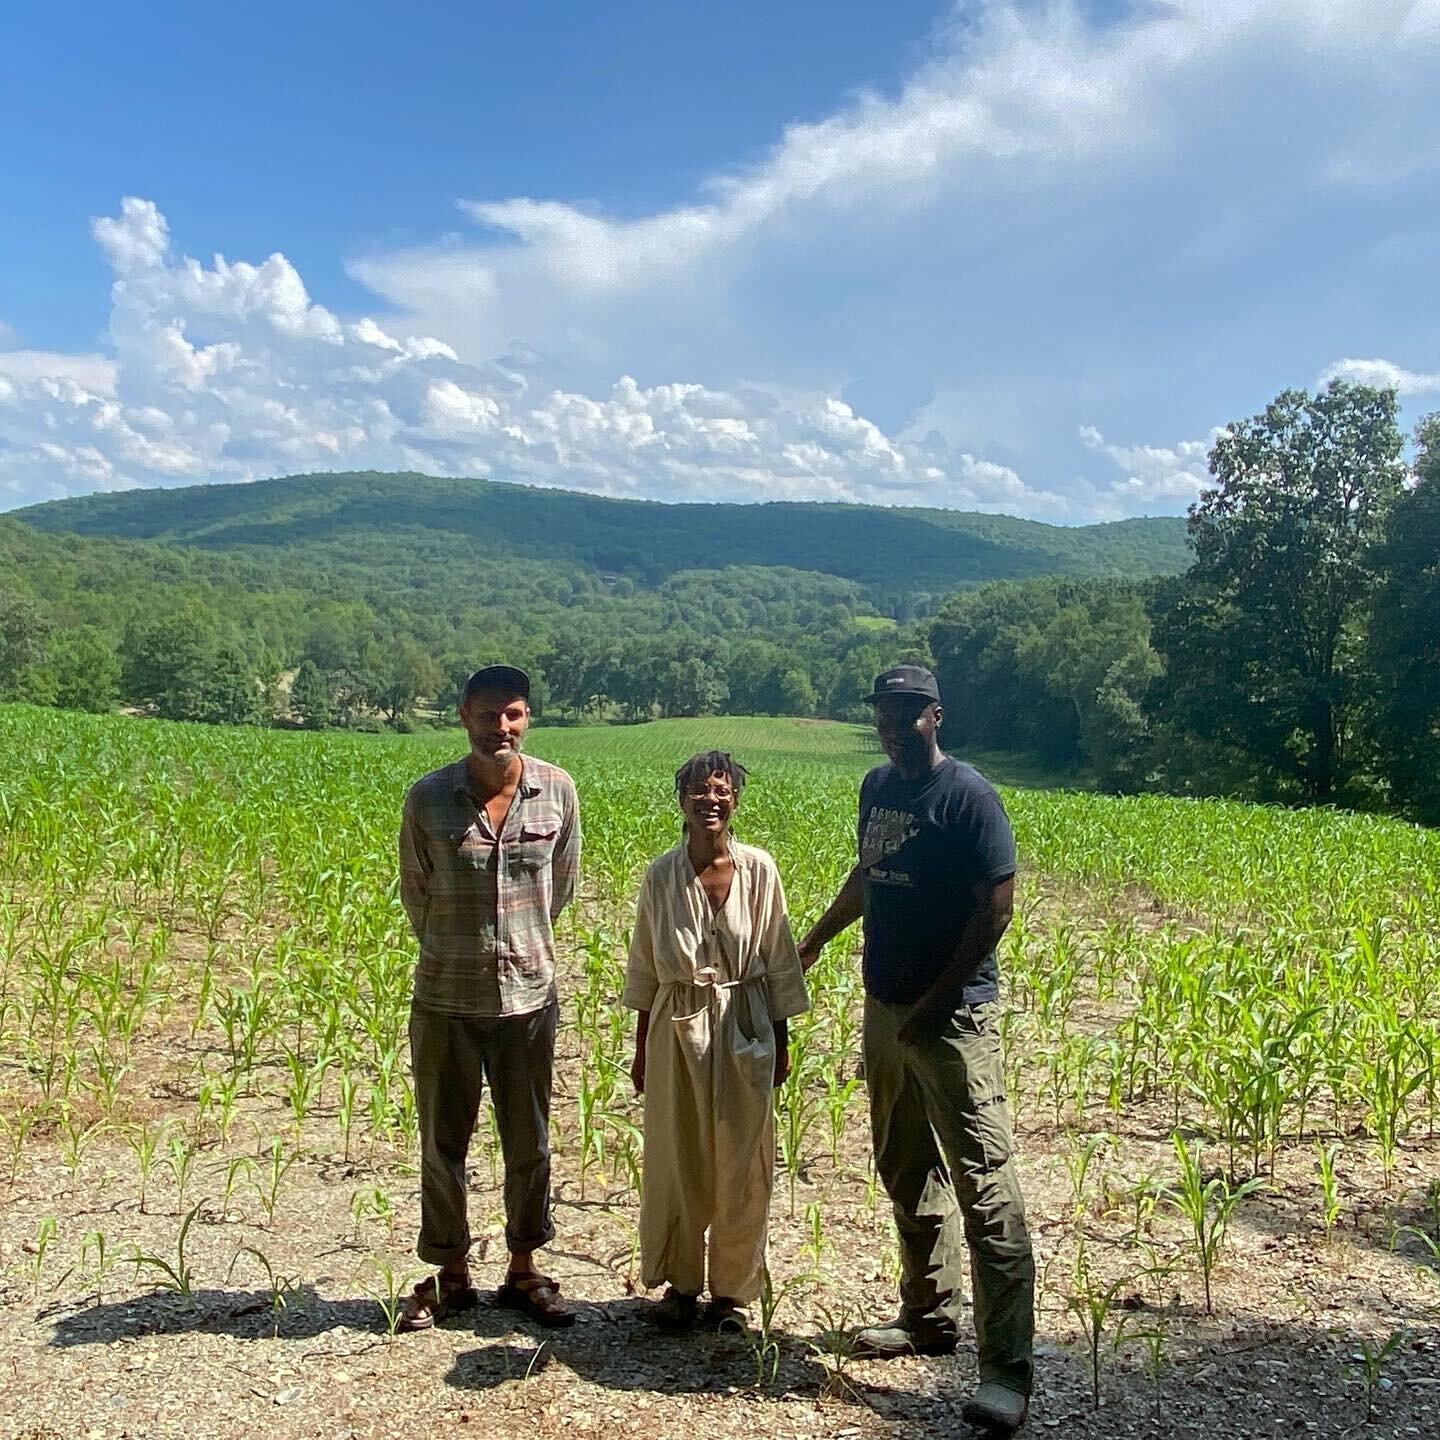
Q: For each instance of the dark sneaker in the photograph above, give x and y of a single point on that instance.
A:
(726, 1315)
(886, 1342)
(996, 1409)
(676, 1312)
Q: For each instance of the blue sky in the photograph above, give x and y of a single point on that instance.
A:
(996, 256)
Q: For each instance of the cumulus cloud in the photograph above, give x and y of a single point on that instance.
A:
(94, 372)
(1150, 473)
(231, 371)
(1384, 375)
(1023, 111)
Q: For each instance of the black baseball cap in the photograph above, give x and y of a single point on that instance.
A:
(905, 680)
(509, 678)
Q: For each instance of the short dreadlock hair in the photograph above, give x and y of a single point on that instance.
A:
(699, 768)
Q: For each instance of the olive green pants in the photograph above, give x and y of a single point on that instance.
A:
(938, 1110)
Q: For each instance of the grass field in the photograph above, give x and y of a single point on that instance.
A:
(1222, 1028)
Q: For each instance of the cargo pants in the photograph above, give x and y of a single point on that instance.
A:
(451, 1056)
(942, 1135)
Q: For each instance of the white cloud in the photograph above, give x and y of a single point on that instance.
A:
(1150, 473)
(1028, 111)
(94, 372)
(1384, 375)
(230, 371)
(136, 240)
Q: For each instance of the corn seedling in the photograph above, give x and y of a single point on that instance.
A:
(268, 1174)
(834, 1351)
(39, 1247)
(1329, 1186)
(1091, 1303)
(177, 1277)
(761, 1336)
(283, 1288)
(1368, 1361)
(386, 1285)
(1207, 1205)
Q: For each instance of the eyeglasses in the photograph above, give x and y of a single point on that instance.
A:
(711, 792)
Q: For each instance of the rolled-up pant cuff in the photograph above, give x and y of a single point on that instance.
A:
(522, 1244)
(441, 1254)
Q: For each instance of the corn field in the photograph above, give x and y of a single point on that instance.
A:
(206, 982)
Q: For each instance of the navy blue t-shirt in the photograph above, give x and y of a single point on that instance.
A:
(923, 846)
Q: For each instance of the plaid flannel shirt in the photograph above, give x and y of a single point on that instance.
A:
(482, 905)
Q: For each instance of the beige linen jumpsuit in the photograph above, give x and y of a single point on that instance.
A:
(714, 983)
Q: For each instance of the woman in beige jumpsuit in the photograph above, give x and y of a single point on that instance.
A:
(715, 975)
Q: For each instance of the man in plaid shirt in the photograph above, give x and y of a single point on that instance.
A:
(489, 854)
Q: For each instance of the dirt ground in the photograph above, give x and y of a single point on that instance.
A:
(1282, 1354)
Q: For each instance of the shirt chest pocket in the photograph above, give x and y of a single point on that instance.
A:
(529, 850)
(467, 849)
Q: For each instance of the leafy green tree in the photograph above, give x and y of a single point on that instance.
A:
(1055, 668)
(86, 668)
(794, 694)
(184, 668)
(1405, 637)
(692, 686)
(231, 693)
(23, 633)
(165, 663)
(312, 697)
(1269, 649)
(405, 674)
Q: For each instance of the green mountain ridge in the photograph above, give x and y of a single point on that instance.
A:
(399, 528)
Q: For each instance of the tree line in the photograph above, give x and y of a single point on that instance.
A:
(1297, 659)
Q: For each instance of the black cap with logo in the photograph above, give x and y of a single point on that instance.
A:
(905, 680)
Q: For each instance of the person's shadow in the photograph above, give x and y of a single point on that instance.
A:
(241, 1314)
(612, 1345)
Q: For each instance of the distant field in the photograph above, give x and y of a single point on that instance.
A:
(766, 745)
(754, 741)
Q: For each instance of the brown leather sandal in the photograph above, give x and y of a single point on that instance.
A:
(434, 1298)
(538, 1297)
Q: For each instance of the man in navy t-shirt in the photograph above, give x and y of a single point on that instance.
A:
(935, 883)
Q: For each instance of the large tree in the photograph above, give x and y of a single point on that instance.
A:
(23, 633)
(1266, 652)
(1405, 637)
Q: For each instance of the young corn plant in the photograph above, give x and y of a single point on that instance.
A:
(834, 1350)
(761, 1336)
(268, 1174)
(386, 1284)
(1368, 1361)
(145, 1141)
(1154, 1334)
(1208, 1206)
(1326, 1156)
(1092, 1302)
(38, 1248)
(178, 1277)
(283, 1288)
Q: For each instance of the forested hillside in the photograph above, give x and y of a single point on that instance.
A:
(347, 599)
(397, 526)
